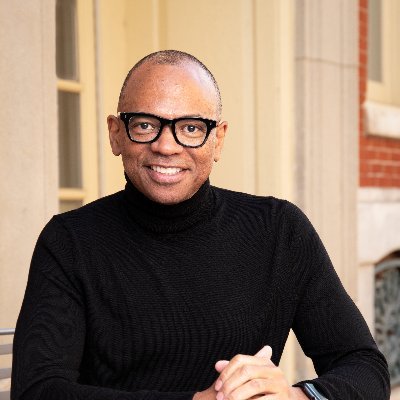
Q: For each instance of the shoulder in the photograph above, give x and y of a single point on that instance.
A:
(284, 218)
(278, 208)
(82, 221)
(247, 199)
(105, 205)
(98, 212)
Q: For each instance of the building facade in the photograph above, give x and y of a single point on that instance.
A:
(379, 192)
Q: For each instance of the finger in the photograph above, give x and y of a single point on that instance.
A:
(243, 375)
(220, 365)
(234, 364)
(278, 387)
(253, 388)
(265, 352)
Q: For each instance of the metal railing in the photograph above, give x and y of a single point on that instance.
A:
(7, 331)
(5, 373)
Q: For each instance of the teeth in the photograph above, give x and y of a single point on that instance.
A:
(168, 171)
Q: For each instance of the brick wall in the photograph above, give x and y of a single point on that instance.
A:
(379, 157)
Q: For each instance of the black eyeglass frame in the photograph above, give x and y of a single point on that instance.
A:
(126, 116)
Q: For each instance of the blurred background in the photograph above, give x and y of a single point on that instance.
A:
(311, 91)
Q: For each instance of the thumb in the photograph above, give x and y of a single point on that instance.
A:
(265, 352)
(220, 365)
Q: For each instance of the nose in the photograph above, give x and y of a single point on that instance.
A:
(166, 143)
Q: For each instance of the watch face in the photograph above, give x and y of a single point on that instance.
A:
(312, 393)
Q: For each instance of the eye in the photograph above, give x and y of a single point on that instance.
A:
(144, 125)
(191, 128)
(141, 126)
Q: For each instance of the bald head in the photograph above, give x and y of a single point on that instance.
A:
(174, 58)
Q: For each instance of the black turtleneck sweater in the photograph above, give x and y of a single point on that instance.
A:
(129, 299)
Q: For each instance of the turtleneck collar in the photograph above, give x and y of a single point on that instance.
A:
(161, 218)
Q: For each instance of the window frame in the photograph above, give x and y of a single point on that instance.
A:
(388, 90)
(85, 87)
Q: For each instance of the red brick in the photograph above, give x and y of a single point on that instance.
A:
(387, 182)
(363, 154)
(384, 155)
(377, 169)
(363, 168)
(363, 30)
(363, 43)
(363, 58)
(363, 4)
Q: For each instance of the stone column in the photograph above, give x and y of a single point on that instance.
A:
(327, 127)
(28, 141)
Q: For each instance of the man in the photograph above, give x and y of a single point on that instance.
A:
(171, 289)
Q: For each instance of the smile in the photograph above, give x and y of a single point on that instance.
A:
(164, 170)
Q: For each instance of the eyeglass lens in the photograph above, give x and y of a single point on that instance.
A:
(189, 132)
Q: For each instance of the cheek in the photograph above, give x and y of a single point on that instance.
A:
(205, 162)
(130, 160)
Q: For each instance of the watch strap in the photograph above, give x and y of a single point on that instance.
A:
(311, 392)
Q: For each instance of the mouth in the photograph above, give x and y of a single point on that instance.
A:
(165, 170)
(163, 175)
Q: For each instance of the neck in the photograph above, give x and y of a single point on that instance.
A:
(163, 218)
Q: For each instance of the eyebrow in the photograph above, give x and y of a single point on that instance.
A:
(159, 116)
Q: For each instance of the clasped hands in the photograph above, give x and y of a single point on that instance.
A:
(250, 377)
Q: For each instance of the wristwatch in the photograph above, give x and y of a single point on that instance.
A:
(311, 392)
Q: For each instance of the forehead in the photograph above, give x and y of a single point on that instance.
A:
(171, 91)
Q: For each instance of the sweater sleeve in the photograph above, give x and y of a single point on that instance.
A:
(329, 326)
(50, 332)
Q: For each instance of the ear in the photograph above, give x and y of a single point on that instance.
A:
(114, 134)
(222, 129)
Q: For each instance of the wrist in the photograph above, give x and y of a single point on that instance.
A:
(311, 392)
(297, 393)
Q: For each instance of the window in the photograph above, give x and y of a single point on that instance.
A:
(383, 105)
(384, 51)
(387, 313)
(77, 143)
(375, 40)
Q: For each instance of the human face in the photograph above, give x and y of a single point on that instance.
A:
(165, 171)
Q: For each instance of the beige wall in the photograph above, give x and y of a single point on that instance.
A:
(28, 141)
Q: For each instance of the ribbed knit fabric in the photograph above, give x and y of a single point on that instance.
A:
(129, 299)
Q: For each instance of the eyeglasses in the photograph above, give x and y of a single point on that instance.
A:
(147, 128)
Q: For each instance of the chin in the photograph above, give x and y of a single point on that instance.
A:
(168, 198)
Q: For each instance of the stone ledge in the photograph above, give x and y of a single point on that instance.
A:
(378, 195)
(378, 223)
(382, 119)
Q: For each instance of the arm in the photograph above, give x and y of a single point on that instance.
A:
(330, 328)
(328, 325)
(51, 328)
